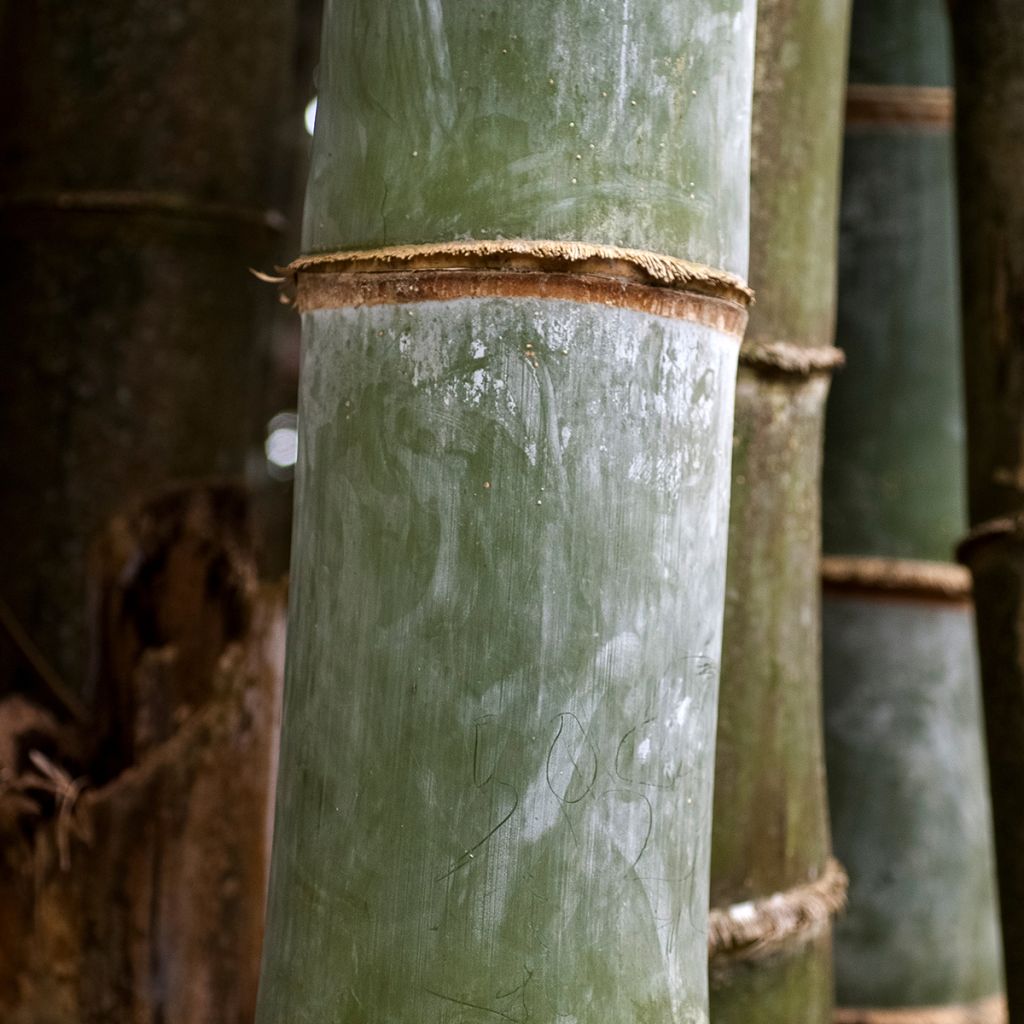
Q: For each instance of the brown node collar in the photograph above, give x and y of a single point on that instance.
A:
(785, 358)
(921, 106)
(1003, 528)
(991, 1010)
(897, 577)
(520, 268)
(759, 927)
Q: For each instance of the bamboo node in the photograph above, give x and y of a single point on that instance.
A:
(991, 1010)
(1000, 528)
(920, 106)
(897, 577)
(757, 928)
(520, 254)
(783, 357)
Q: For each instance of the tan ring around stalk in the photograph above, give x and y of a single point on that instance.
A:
(520, 268)
(991, 1010)
(896, 577)
(759, 927)
(785, 358)
(916, 106)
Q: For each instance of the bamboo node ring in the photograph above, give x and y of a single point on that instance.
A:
(896, 576)
(992, 530)
(991, 1010)
(785, 358)
(758, 927)
(521, 268)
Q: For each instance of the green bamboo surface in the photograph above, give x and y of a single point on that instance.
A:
(906, 773)
(770, 820)
(509, 560)
(910, 811)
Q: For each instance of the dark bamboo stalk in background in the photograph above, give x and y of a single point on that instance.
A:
(771, 839)
(137, 653)
(135, 188)
(904, 747)
(988, 38)
(516, 415)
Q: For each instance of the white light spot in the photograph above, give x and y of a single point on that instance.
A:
(310, 115)
(282, 442)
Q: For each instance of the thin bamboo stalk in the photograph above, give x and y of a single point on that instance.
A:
(496, 766)
(771, 839)
(904, 748)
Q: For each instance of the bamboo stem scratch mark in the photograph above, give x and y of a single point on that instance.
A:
(467, 856)
(474, 1006)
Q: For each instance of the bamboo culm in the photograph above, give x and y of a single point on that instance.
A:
(910, 821)
(771, 837)
(512, 504)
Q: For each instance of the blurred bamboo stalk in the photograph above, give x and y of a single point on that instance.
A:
(771, 862)
(904, 747)
(988, 41)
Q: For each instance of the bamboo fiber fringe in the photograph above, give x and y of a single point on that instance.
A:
(912, 105)
(526, 254)
(798, 360)
(757, 927)
(896, 576)
(985, 1011)
(161, 203)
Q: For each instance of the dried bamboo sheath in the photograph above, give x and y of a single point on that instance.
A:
(905, 764)
(774, 888)
(512, 495)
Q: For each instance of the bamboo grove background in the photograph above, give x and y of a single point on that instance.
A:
(634, 629)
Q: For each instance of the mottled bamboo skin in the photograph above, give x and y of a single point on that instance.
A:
(906, 773)
(988, 40)
(132, 337)
(770, 817)
(495, 788)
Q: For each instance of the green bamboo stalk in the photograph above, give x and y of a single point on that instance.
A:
(904, 749)
(988, 41)
(511, 512)
(771, 836)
